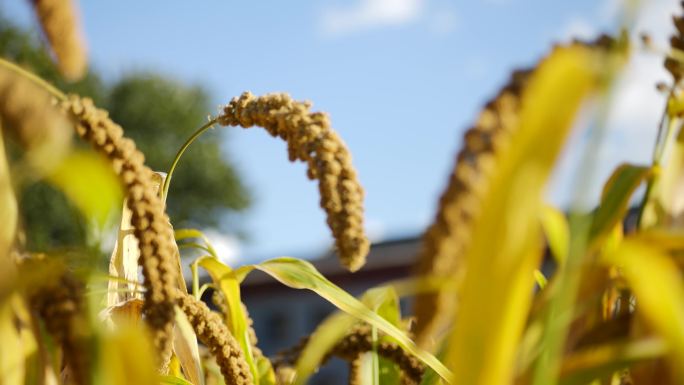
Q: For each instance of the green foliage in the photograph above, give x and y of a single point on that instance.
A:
(158, 113)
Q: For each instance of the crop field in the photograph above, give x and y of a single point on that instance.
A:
(610, 313)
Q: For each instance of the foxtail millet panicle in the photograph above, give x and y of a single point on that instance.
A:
(448, 237)
(211, 330)
(58, 300)
(673, 65)
(219, 300)
(355, 370)
(310, 139)
(61, 26)
(150, 223)
(359, 340)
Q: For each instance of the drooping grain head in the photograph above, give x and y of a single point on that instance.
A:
(57, 297)
(61, 26)
(676, 66)
(448, 237)
(311, 140)
(150, 224)
(211, 330)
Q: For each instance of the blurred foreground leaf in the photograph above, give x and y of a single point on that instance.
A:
(499, 277)
(88, 180)
(657, 285)
(615, 198)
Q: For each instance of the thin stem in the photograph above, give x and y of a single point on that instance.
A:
(34, 78)
(663, 137)
(195, 280)
(167, 182)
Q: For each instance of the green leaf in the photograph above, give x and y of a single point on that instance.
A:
(299, 274)
(327, 334)
(555, 227)
(226, 281)
(385, 302)
(615, 198)
(266, 373)
(183, 234)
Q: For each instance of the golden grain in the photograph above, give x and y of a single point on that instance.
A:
(355, 371)
(211, 330)
(59, 21)
(310, 139)
(151, 225)
(219, 300)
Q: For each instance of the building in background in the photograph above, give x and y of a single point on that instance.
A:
(282, 316)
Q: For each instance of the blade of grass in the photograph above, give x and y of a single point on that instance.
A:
(382, 299)
(327, 334)
(615, 198)
(183, 234)
(555, 227)
(225, 280)
(385, 302)
(299, 274)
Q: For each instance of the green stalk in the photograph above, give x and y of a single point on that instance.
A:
(34, 78)
(167, 182)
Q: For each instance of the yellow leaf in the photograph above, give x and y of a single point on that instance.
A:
(126, 358)
(225, 279)
(88, 180)
(505, 246)
(615, 198)
(657, 285)
(557, 232)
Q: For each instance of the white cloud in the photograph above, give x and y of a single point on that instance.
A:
(376, 229)
(368, 14)
(227, 246)
(577, 28)
(444, 21)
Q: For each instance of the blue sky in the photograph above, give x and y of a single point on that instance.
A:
(401, 80)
